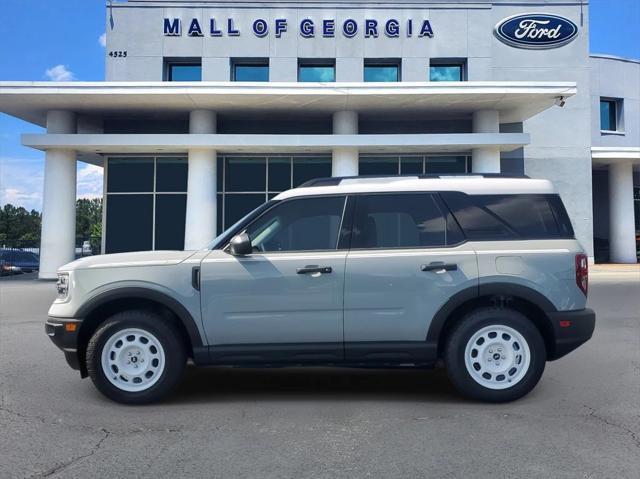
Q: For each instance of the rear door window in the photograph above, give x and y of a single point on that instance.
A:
(398, 221)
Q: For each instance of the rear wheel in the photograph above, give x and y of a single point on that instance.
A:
(495, 355)
(135, 357)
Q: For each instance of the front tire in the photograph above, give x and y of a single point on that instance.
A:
(495, 355)
(135, 357)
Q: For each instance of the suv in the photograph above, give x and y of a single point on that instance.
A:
(480, 273)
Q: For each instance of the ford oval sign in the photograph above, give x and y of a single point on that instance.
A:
(536, 31)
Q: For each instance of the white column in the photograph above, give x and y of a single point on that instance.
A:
(486, 159)
(622, 229)
(200, 222)
(345, 159)
(58, 230)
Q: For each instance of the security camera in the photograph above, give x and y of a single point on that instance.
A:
(560, 101)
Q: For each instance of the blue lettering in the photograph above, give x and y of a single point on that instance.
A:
(232, 32)
(281, 26)
(370, 28)
(212, 29)
(426, 30)
(260, 28)
(194, 28)
(349, 28)
(328, 28)
(307, 29)
(392, 28)
(410, 28)
(172, 28)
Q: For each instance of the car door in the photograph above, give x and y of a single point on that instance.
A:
(407, 258)
(285, 301)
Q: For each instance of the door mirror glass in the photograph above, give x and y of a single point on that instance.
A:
(240, 245)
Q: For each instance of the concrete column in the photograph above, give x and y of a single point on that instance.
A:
(58, 230)
(622, 228)
(345, 159)
(486, 159)
(200, 222)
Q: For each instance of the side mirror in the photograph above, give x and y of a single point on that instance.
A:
(240, 245)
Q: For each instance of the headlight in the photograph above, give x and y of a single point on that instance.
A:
(63, 285)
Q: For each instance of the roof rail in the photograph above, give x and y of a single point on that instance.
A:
(335, 180)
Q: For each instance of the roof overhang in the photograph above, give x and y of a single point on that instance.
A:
(606, 155)
(515, 101)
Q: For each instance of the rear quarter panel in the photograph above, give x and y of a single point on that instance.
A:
(546, 266)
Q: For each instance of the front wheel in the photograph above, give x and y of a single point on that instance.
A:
(135, 357)
(495, 355)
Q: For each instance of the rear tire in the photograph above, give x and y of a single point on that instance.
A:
(495, 355)
(135, 357)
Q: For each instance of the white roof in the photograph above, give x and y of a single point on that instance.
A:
(473, 185)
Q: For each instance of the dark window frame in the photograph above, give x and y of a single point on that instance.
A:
(450, 62)
(317, 62)
(617, 105)
(381, 63)
(250, 62)
(169, 63)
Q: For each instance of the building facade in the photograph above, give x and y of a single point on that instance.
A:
(210, 108)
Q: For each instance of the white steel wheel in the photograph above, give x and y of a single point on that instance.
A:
(497, 357)
(133, 359)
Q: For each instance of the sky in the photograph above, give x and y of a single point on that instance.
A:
(63, 40)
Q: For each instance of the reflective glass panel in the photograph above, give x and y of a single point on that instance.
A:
(185, 72)
(381, 73)
(317, 73)
(130, 175)
(170, 217)
(171, 174)
(279, 174)
(445, 72)
(258, 73)
(246, 174)
(129, 223)
(309, 168)
(378, 166)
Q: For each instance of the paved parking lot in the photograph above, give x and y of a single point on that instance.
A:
(583, 419)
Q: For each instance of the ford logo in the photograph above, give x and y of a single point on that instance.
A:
(536, 31)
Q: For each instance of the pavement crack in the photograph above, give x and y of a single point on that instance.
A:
(594, 414)
(62, 466)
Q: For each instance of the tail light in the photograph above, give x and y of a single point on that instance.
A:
(582, 273)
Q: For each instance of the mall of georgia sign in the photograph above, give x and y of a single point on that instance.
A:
(536, 31)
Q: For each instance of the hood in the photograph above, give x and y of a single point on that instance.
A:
(127, 260)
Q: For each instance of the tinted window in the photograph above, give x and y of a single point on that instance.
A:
(299, 225)
(381, 73)
(378, 166)
(445, 73)
(246, 174)
(608, 115)
(170, 218)
(184, 72)
(398, 221)
(251, 72)
(305, 169)
(127, 175)
(316, 73)
(129, 223)
(171, 174)
(279, 174)
(499, 217)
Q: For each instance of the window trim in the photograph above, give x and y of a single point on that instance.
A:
(618, 105)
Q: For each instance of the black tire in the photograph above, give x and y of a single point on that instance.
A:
(473, 322)
(170, 339)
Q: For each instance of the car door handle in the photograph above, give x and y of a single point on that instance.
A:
(438, 266)
(314, 269)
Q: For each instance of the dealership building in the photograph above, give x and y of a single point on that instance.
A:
(210, 108)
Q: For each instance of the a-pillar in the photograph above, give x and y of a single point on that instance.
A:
(58, 231)
(200, 222)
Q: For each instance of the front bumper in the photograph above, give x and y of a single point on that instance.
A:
(64, 334)
(571, 329)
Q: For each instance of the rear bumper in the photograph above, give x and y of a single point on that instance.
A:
(65, 338)
(571, 329)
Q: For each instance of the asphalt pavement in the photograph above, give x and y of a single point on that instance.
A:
(581, 421)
